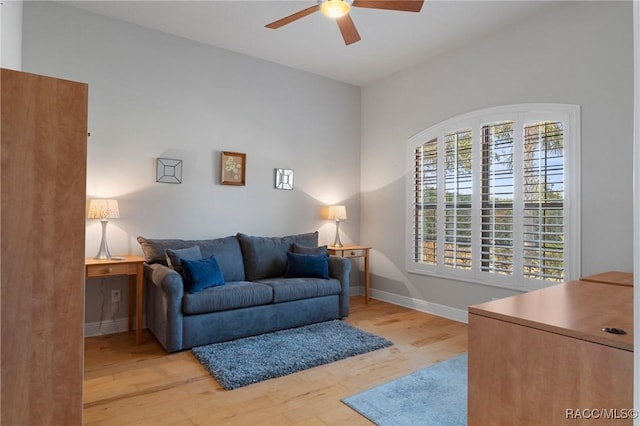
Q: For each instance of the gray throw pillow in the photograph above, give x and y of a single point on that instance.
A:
(174, 256)
(299, 248)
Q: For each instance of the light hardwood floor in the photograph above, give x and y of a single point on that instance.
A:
(127, 384)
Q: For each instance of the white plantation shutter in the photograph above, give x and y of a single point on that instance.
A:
(543, 171)
(497, 192)
(426, 202)
(489, 198)
(458, 184)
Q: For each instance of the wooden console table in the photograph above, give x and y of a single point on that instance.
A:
(355, 251)
(536, 356)
(131, 266)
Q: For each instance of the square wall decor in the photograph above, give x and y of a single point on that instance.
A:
(283, 179)
(168, 170)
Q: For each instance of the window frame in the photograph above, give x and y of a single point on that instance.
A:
(521, 115)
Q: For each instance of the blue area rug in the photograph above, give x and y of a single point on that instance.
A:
(250, 360)
(434, 396)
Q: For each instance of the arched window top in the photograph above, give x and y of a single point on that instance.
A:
(493, 196)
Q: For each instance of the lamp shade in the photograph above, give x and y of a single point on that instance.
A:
(337, 212)
(334, 8)
(103, 209)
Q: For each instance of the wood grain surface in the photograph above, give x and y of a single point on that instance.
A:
(43, 175)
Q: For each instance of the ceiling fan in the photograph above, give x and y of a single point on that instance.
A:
(339, 9)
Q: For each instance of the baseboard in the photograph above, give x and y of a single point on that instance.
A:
(98, 328)
(356, 290)
(421, 305)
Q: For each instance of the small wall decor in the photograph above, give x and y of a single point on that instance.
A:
(168, 170)
(232, 168)
(283, 179)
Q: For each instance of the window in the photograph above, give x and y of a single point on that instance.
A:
(494, 197)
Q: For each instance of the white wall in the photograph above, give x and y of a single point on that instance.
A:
(576, 53)
(154, 95)
(11, 34)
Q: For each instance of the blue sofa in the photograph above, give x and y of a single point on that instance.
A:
(255, 298)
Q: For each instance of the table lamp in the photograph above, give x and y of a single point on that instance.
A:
(103, 210)
(337, 213)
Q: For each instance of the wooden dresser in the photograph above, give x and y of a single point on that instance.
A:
(539, 357)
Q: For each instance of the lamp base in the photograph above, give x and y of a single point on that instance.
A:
(337, 242)
(103, 252)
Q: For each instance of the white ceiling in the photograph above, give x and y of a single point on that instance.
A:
(390, 41)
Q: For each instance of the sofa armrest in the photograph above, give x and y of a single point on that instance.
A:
(339, 268)
(168, 280)
(163, 299)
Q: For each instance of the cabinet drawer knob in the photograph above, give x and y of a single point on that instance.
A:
(109, 269)
(353, 253)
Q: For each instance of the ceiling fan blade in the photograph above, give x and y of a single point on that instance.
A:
(348, 29)
(402, 5)
(294, 17)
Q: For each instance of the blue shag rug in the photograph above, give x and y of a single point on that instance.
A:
(434, 396)
(250, 360)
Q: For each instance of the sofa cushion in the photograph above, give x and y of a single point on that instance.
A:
(226, 250)
(298, 248)
(201, 274)
(229, 255)
(266, 257)
(232, 295)
(307, 266)
(174, 256)
(286, 289)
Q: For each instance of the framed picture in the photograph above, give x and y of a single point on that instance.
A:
(232, 168)
(283, 179)
(168, 170)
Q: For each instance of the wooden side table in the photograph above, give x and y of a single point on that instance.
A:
(131, 266)
(355, 251)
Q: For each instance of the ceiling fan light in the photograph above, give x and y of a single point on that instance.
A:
(334, 8)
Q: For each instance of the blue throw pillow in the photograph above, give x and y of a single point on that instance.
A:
(201, 274)
(307, 266)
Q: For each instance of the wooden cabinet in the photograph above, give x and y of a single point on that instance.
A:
(43, 175)
(539, 357)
